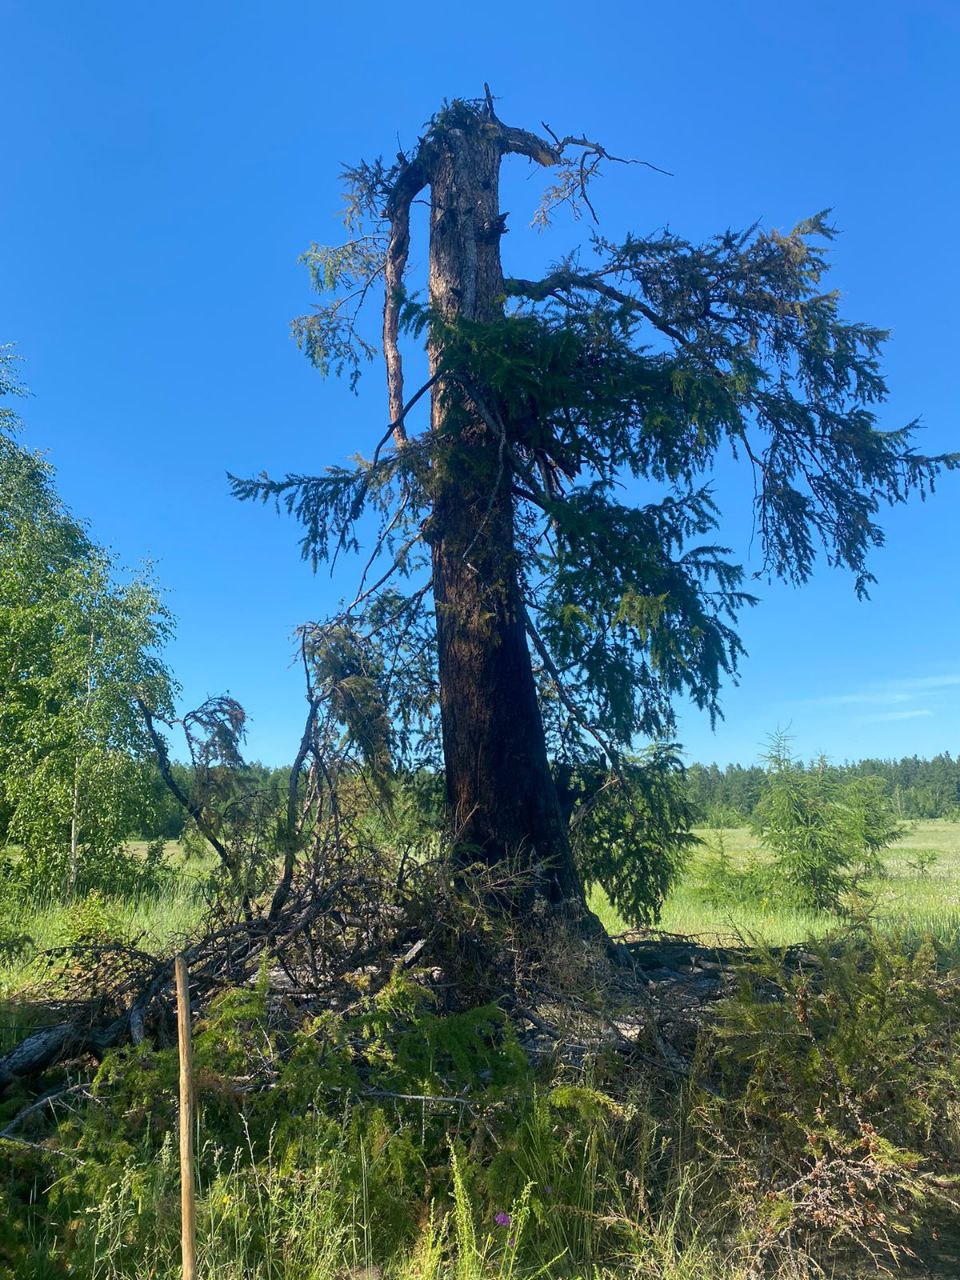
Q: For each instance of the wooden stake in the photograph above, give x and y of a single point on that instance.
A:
(188, 1224)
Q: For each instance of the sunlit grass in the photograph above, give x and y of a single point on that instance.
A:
(903, 900)
(150, 921)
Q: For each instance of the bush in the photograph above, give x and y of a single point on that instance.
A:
(723, 883)
(31, 876)
(921, 860)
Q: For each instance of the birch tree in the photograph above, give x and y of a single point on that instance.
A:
(78, 648)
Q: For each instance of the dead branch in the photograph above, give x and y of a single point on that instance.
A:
(413, 177)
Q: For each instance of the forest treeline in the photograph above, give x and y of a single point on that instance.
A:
(917, 788)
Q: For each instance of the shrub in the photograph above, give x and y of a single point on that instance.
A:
(721, 882)
(921, 860)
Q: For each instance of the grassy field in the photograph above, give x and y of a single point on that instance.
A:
(903, 899)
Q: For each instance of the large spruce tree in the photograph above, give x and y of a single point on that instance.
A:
(567, 614)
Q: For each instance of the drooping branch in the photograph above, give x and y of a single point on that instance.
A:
(294, 816)
(521, 142)
(331, 335)
(195, 810)
(608, 749)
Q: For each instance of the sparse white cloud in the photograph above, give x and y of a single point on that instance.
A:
(883, 716)
(892, 693)
(880, 699)
(931, 682)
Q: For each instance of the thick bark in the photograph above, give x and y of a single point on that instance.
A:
(500, 794)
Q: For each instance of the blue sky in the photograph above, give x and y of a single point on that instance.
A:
(164, 167)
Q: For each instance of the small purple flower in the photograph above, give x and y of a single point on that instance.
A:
(548, 1189)
(502, 1219)
(512, 1242)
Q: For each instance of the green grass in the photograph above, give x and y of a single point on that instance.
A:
(903, 899)
(150, 921)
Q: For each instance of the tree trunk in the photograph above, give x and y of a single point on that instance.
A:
(71, 878)
(74, 862)
(500, 793)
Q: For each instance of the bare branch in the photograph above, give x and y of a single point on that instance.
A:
(293, 826)
(398, 423)
(397, 564)
(412, 179)
(523, 143)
